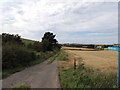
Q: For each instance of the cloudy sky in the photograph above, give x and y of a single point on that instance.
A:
(73, 21)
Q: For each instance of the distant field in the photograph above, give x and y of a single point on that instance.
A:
(27, 41)
(104, 60)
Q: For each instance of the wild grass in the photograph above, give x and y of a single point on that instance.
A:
(85, 77)
(27, 41)
(41, 56)
(62, 55)
(22, 87)
(8, 72)
(52, 59)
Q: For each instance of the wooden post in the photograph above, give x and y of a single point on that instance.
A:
(74, 64)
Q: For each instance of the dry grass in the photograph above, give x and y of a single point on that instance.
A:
(83, 76)
(69, 48)
(104, 60)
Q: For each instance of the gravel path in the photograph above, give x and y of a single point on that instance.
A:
(39, 76)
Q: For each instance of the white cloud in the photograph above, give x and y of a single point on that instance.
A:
(30, 17)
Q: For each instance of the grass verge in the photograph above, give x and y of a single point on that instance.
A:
(62, 55)
(41, 56)
(23, 87)
(84, 77)
(52, 59)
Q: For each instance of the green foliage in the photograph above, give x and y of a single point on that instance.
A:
(10, 38)
(49, 42)
(42, 56)
(27, 41)
(14, 56)
(19, 53)
(62, 56)
(37, 46)
(87, 78)
(23, 87)
(52, 59)
(8, 72)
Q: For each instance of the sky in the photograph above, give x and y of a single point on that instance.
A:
(72, 21)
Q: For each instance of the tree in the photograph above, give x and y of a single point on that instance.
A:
(49, 42)
(37, 46)
(11, 38)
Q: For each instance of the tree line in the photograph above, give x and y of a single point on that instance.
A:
(15, 53)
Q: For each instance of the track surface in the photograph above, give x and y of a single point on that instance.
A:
(39, 76)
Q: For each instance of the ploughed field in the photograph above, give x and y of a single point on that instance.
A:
(103, 60)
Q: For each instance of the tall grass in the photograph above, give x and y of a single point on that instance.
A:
(62, 55)
(42, 56)
(84, 77)
(87, 78)
(22, 87)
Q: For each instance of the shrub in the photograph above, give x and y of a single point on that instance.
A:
(14, 56)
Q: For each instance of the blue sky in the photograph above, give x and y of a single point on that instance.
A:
(73, 21)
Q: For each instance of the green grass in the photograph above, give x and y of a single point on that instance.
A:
(41, 56)
(52, 59)
(87, 78)
(84, 77)
(23, 87)
(27, 41)
(62, 55)
(8, 72)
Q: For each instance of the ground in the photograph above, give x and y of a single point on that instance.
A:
(103, 60)
(43, 75)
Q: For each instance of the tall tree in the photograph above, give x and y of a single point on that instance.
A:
(49, 41)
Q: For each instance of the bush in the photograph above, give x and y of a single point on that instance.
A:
(11, 38)
(14, 56)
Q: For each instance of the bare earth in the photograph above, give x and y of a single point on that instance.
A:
(39, 76)
(104, 60)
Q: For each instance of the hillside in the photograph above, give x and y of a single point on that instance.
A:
(27, 41)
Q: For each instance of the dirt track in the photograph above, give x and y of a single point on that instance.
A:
(104, 60)
(38, 76)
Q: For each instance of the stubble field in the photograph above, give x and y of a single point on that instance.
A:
(103, 60)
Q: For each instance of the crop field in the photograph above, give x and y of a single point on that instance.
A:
(103, 60)
(93, 69)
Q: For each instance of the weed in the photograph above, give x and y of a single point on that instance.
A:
(62, 56)
(23, 87)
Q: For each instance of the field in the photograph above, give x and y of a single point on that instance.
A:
(27, 41)
(93, 69)
(103, 60)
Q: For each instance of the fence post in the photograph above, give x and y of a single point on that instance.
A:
(74, 64)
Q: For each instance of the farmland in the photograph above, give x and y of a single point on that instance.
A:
(94, 69)
(104, 60)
